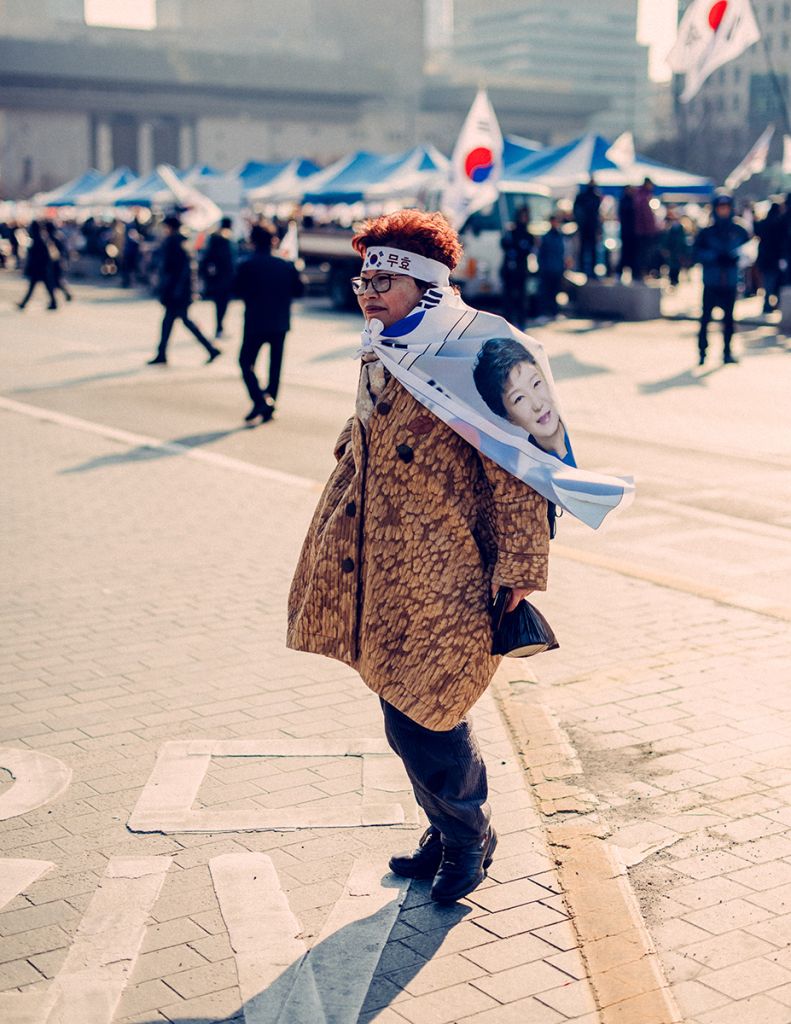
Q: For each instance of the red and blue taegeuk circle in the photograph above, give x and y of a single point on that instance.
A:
(479, 164)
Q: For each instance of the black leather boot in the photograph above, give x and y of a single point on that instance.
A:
(425, 860)
(463, 868)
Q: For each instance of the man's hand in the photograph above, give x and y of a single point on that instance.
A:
(517, 594)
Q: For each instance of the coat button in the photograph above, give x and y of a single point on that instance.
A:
(405, 453)
(347, 565)
(351, 509)
(383, 407)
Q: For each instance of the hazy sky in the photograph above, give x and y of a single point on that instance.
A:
(656, 23)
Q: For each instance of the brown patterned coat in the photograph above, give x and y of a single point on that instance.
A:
(395, 572)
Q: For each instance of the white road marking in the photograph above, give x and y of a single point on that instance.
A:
(345, 956)
(157, 444)
(38, 779)
(280, 982)
(263, 933)
(88, 987)
(18, 875)
(165, 804)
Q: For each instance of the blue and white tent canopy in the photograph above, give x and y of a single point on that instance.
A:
(68, 194)
(147, 190)
(105, 189)
(375, 177)
(279, 182)
(563, 168)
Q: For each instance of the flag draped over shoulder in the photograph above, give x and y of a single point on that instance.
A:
(711, 33)
(754, 162)
(476, 164)
(454, 360)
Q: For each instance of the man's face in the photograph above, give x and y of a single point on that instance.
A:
(723, 210)
(528, 402)
(394, 304)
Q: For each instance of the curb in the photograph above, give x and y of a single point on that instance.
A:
(624, 970)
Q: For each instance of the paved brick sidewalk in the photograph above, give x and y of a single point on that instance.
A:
(680, 712)
(145, 604)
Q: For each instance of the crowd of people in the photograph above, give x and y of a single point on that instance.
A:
(637, 238)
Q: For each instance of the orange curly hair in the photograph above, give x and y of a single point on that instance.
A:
(427, 234)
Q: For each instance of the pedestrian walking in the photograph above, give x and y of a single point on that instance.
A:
(646, 229)
(175, 291)
(58, 256)
(267, 285)
(216, 270)
(717, 249)
(587, 204)
(517, 245)
(38, 268)
(551, 265)
(770, 254)
(414, 530)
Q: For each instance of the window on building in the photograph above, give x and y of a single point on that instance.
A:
(785, 41)
(786, 11)
(140, 14)
(735, 104)
(737, 75)
(27, 170)
(770, 12)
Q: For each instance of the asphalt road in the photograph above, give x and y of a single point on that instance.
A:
(711, 450)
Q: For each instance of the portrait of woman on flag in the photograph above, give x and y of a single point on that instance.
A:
(513, 386)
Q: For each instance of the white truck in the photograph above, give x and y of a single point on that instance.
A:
(330, 262)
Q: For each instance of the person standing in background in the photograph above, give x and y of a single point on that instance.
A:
(551, 265)
(517, 244)
(267, 285)
(628, 256)
(770, 254)
(586, 213)
(216, 271)
(175, 291)
(717, 249)
(646, 228)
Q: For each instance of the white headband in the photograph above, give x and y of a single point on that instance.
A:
(398, 261)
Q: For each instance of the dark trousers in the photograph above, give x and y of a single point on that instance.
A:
(717, 297)
(447, 774)
(172, 314)
(587, 253)
(31, 288)
(514, 300)
(221, 301)
(252, 342)
(549, 284)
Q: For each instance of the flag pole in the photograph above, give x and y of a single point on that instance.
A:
(777, 86)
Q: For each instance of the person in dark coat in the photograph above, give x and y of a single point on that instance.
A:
(175, 291)
(216, 270)
(628, 257)
(551, 264)
(586, 213)
(717, 249)
(38, 266)
(770, 253)
(58, 255)
(517, 244)
(266, 285)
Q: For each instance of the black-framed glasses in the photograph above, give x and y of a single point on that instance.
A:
(379, 282)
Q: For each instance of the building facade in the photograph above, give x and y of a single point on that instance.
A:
(220, 85)
(586, 51)
(739, 100)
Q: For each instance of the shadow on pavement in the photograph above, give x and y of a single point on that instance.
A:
(145, 452)
(566, 366)
(689, 378)
(321, 984)
(77, 382)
